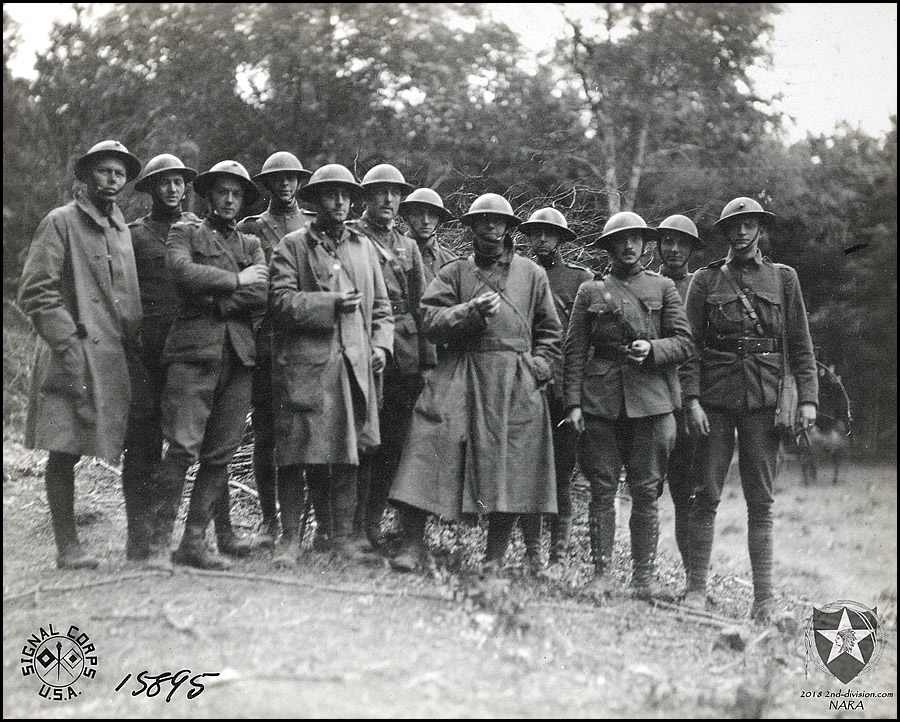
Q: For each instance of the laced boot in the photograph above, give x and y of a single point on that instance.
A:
(702, 532)
(228, 541)
(266, 475)
(560, 538)
(168, 488)
(412, 551)
(759, 538)
(342, 495)
(317, 483)
(193, 551)
(644, 527)
(60, 484)
(602, 531)
(500, 527)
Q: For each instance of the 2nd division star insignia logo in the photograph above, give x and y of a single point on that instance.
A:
(844, 639)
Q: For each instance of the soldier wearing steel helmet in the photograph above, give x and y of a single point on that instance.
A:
(424, 211)
(627, 335)
(332, 333)
(282, 175)
(164, 179)
(401, 264)
(547, 229)
(79, 287)
(221, 276)
(480, 440)
(677, 240)
(743, 309)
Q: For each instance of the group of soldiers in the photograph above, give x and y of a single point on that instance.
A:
(381, 368)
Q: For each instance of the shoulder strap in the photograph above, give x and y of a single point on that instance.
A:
(751, 312)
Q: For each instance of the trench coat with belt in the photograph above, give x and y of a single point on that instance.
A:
(480, 440)
(80, 289)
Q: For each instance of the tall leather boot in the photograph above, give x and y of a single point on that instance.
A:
(266, 476)
(560, 538)
(60, 483)
(137, 470)
(290, 495)
(228, 542)
(363, 487)
(205, 497)
(602, 530)
(702, 532)
(644, 527)
(318, 481)
(532, 531)
(500, 527)
(412, 552)
(683, 536)
(759, 540)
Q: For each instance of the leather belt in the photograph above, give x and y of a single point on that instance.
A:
(745, 345)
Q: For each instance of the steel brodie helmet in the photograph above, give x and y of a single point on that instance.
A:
(625, 221)
(107, 147)
(683, 225)
(743, 207)
(426, 197)
(204, 182)
(386, 174)
(282, 162)
(551, 218)
(159, 164)
(490, 204)
(331, 174)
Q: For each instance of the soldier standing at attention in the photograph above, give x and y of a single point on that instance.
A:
(743, 309)
(404, 277)
(627, 335)
(480, 440)
(678, 238)
(165, 179)
(221, 277)
(332, 333)
(282, 175)
(546, 229)
(79, 287)
(423, 210)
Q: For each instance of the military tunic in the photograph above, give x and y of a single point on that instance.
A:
(434, 255)
(480, 440)
(79, 287)
(210, 349)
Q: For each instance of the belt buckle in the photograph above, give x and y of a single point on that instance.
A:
(742, 346)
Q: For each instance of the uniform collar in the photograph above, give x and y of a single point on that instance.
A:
(115, 218)
(319, 237)
(291, 209)
(550, 261)
(755, 260)
(674, 275)
(370, 227)
(220, 224)
(635, 270)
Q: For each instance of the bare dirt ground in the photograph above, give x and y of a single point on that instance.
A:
(328, 640)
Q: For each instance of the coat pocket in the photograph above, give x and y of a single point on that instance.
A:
(64, 371)
(300, 379)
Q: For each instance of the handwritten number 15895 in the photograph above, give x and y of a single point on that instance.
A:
(152, 684)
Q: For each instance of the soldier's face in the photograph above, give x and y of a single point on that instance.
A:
(108, 176)
(742, 233)
(283, 185)
(675, 250)
(168, 188)
(626, 248)
(489, 227)
(383, 202)
(423, 222)
(226, 197)
(334, 204)
(543, 240)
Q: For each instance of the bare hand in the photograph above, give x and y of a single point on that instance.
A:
(349, 301)
(807, 416)
(576, 418)
(379, 359)
(253, 275)
(487, 303)
(697, 422)
(638, 351)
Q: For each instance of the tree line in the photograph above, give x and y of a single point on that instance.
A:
(643, 107)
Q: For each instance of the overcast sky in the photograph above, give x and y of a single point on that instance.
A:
(832, 60)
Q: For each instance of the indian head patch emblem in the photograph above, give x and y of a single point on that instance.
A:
(844, 639)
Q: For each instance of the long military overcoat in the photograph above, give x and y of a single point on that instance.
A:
(480, 439)
(325, 397)
(80, 289)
